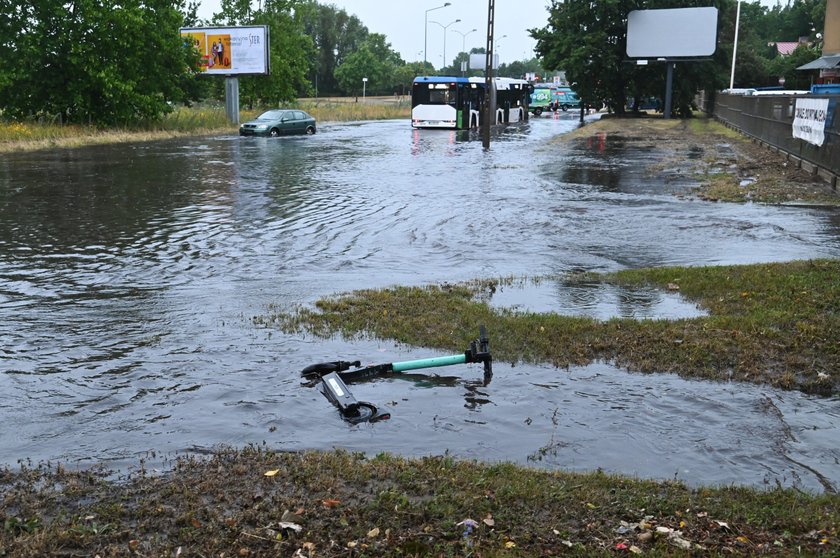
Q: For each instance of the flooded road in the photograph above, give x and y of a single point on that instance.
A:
(129, 275)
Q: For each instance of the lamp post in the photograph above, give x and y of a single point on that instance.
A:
(364, 87)
(496, 43)
(464, 38)
(464, 46)
(496, 48)
(735, 45)
(444, 37)
(426, 29)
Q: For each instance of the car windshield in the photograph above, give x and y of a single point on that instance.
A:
(272, 115)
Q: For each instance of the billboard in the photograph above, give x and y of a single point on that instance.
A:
(479, 61)
(672, 33)
(231, 50)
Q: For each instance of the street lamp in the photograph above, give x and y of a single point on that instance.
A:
(444, 37)
(735, 46)
(426, 29)
(464, 38)
(464, 46)
(364, 86)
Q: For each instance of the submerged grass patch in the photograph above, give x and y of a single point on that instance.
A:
(768, 323)
(256, 502)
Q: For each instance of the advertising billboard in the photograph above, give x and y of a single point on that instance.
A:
(231, 51)
(672, 33)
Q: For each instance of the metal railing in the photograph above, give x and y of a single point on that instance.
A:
(769, 120)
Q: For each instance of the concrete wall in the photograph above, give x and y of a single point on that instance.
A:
(769, 120)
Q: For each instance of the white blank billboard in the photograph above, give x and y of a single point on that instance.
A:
(479, 61)
(673, 33)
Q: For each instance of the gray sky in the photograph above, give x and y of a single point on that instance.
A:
(403, 22)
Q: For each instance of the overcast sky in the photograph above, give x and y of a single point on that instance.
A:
(403, 22)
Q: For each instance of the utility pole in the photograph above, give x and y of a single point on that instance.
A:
(488, 76)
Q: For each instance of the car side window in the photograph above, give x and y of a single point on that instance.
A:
(299, 115)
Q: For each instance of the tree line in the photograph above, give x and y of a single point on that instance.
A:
(116, 62)
(588, 39)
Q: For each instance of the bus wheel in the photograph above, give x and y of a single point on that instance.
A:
(565, 108)
(537, 111)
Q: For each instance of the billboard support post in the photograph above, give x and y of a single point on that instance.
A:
(232, 99)
(669, 89)
(678, 34)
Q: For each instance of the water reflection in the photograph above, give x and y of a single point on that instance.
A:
(595, 300)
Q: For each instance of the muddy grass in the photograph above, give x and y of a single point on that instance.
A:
(774, 324)
(727, 165)
(260, 503)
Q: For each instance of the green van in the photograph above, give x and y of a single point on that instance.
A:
(565, 98)
(552, 97)
(540, 100)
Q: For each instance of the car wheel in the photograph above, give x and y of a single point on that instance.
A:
(537, 111)
(310, 130)
(274, 132)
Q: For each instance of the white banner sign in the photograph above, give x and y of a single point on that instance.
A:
(809, 120)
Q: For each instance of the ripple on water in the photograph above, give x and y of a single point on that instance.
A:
(129, 275)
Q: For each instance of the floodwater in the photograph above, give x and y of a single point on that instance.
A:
(130, 274)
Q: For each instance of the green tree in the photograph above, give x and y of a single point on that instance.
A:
(519, 68)
(785, 67)
(404, 76)
(374, 60)
(357, 67)
(589, 40)
(111, 62)
(335, 35)
(291, 51)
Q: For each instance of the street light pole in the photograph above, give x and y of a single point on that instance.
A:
(464, 38)
(444, 37)
(496, 43)
(735, 45)
(426, 29)
(464, 45)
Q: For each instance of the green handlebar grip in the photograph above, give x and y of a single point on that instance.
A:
(428, 363)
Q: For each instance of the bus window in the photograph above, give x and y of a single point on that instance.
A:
(442, 94)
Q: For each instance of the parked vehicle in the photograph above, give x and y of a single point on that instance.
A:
(550, 97)
(279, 122)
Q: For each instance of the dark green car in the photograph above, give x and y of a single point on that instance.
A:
(279, 122)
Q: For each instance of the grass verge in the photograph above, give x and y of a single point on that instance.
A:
(774, 324)
(256, 502)
(183, 121)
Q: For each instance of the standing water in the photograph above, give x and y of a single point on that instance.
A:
(129, 275)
